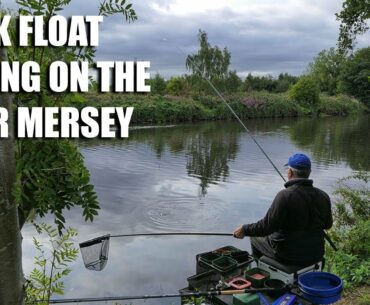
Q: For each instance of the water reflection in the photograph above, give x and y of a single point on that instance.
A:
(335, 139)
(209, 152)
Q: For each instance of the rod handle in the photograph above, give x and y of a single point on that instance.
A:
(230, 292)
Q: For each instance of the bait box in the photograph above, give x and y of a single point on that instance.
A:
(257, 277)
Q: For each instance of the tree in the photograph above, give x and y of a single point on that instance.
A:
(158, 84)
(232, 82)
(175, 85)
(326, 68)
(306, 92)
(353, 18)
(209, 62)
(355, 76)
(11, 274)
(48, 176)
(269, 83)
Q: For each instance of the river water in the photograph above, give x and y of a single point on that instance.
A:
(207, 177)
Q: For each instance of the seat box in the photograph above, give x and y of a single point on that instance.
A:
(286, 273)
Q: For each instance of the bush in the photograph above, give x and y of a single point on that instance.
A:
(175, 85)
(339, 105)
(306, 92)
(351, 231)
(158, 85)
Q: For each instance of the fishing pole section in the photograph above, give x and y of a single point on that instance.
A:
(197, 294)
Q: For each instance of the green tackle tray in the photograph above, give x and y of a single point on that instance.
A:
(256, 282)
(224, 264)
(208, 257)
(204, 263)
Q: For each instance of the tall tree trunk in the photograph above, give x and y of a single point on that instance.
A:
(11, 273)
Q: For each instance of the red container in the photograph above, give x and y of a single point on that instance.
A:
(239, 283)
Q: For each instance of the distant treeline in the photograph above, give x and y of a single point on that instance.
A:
(187, 84)
(335, 84)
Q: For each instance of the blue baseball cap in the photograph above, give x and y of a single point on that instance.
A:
(299, 161)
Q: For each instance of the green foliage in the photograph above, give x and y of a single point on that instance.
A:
(193, 300)
(355, 76)
(175, 86)
(339, 105)
(353, 18)
(232, 82)
(45, 280)
(160, 109)
(209, 62)
(268, 83)
(351, 230)
(51, 177)
(326, 68)
(306, 92)
(157, 85)
(111, 7)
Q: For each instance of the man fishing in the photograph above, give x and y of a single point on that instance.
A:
(292, 230)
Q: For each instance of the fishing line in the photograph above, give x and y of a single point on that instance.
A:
(232, 111)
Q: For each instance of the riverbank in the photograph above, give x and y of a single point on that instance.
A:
(360, 296)
(161, 109)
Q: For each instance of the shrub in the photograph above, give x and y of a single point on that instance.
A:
(306, 92)
(351, 231)
(175, 86)
(158, 85)
(339, 105)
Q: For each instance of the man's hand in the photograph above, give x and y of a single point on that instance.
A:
(239, 233)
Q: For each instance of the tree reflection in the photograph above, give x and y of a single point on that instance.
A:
(335, 139)
(209, 152)
(208, 147)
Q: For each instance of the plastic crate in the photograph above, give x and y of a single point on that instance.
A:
(227, 250)
(208, 257)
(224, 264)
(241, 256)
(203, 279)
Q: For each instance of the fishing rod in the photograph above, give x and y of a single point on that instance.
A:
(326, 236)
(160, 296)
(174, 234)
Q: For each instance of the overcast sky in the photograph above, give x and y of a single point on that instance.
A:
(263, 36)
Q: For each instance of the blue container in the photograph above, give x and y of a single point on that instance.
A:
(320, 287)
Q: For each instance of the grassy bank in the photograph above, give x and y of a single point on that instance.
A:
(160, 109)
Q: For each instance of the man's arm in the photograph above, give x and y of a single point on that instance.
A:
(272, 222)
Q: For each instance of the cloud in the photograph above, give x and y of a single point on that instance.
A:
(263, 36)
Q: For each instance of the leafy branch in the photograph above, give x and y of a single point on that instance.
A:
(51, 265)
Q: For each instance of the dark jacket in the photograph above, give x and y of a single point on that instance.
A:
(295, 222)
